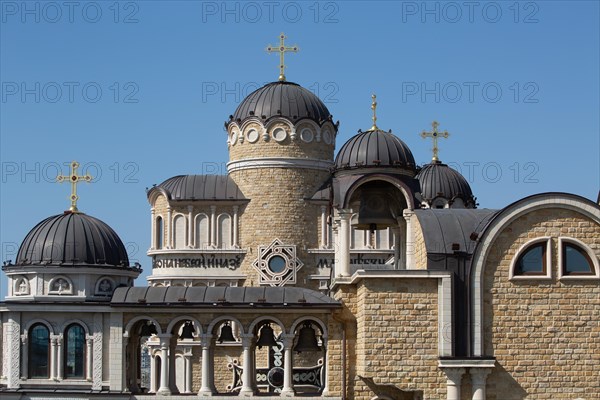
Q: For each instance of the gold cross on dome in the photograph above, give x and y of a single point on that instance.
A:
(435, 135)
(282, 49)
(374, 108)
(74, 179)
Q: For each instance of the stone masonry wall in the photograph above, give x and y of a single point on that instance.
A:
(544, 333)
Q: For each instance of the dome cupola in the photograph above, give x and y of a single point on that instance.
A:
(376, 148)
(442, 186)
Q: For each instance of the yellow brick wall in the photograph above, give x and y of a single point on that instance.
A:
(544, 334)
(395, 340)
(419, 249)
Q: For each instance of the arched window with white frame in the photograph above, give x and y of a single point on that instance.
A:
(224, 231)
(179, 232)
(202, 231)
(160, 233)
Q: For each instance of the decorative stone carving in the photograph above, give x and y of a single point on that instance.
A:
(277, 264)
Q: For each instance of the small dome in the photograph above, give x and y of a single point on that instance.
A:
(72, 239)
(282, 99)
(440, 181)
(375, 148)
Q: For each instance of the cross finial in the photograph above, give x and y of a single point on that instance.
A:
(374, 108)
(74, 179)
(435, 135)
(282, 49)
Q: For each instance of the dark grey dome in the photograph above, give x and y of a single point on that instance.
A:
(375, 148)
(200, 187)
(282, 99)
(72, 239)
(439, 180)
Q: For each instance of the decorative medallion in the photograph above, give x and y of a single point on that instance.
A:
(233, 138)
(279, 134)
(277, 264)
(307, 135)
(327, 138)
(252, 135)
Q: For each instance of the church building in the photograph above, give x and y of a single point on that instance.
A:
(306, 272)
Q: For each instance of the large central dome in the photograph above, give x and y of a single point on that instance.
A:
(282, 99)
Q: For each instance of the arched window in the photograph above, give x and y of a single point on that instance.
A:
(533, 260)
(179, 230)
(577, 260)
(224, 235)
(39, 354)
(160, 233)
(74, 358)
(202, 236)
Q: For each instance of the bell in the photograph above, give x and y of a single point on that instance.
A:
(226, 334)
(267, 337)
(307, 339)
(188, 331)
(374, 211)
(148, 329)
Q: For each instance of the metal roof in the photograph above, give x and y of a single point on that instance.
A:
(374, 148)
(282, 99)
(439, 180)
(223, 296)
(201, 187)
(443, 228)
(72, 239)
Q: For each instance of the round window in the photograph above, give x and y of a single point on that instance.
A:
(233, 138)
(277, 264)
(327, 137)
(307, 135)
(279, 134)
(252, 135)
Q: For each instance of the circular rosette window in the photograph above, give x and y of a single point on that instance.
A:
(277, 264)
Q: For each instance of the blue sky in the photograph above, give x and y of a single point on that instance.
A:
(137, 92)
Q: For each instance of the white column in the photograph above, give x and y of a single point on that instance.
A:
(478, 381)
(409, 240)
(325, 391)
(247, 389)
(288, 383)
(324, 227)
(396, 233)
(164, 365)
(52, 357)
(153, 229)
(343, 253)
(168, 224)
(213, 226)
(454, 377)
(89, 340)
(152, 371)
(235, 227)
(187, 382)
(24, 356)
(207, 379)
(59, 357)
(190, 226)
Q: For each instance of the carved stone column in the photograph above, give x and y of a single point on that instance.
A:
(213, 226)
(53, 342)
(164, 366)
(288, 382)
(342, 261)
(247, 389)
(236, 244)
(59, 357)
(153, 227)
(409, 241)
(454, 377)
(24, 356)
(207, 377)
(478, 381)
(190, 226)
(168, 224)
(89, 341)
